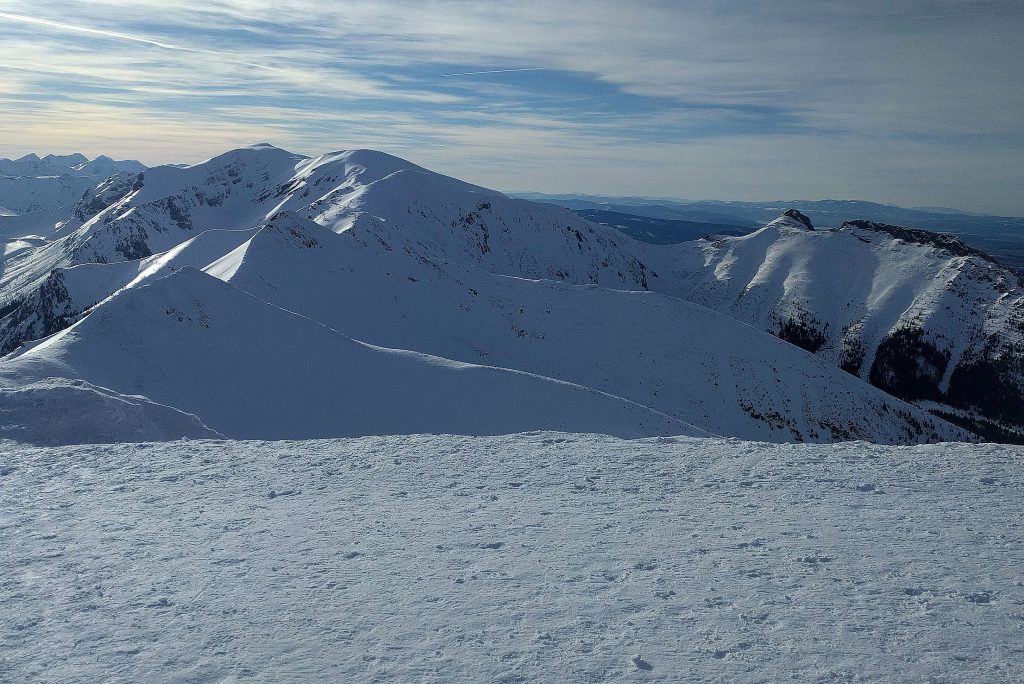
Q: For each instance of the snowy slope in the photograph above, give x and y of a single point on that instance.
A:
(103, 167)
(438, 219)
(57, 411)
(918, 314)
(67, 293)
(680, 359)
(542, 558)
(131, 217)
(28, 194)
(389, 253)
(251, 370)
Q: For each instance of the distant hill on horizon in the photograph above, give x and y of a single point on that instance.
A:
(1000, 236)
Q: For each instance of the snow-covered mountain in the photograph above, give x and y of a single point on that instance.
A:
(34, 165)
(32, 184)
(103, 166)
(645, 346)
(666, 220)
(921, 315)
(235, 290)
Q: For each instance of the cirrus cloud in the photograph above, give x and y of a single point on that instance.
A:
(914, 101)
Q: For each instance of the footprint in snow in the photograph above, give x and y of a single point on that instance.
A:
(640, 663)
(978, 597)
(814, 560)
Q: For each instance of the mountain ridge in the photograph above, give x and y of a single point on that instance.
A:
(400, 257)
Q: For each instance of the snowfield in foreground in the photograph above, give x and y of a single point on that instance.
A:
(533, 557)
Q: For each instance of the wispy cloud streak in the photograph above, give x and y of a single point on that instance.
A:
(493, 71)
(859, 99)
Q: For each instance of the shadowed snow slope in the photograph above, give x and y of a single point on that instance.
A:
(60, 411)
(537, 558)
(250, 369)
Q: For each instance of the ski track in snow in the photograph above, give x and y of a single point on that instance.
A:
(535, 557)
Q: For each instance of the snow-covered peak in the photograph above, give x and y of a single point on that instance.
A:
(104, 166)
(32, 165)
(65, 159)
(791, 218)
(368, 165)
(919, 314)
(34, 185)
(796, 215)
(263, 154)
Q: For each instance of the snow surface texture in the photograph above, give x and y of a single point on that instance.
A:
(539, 557)
(385, 252)
(57, 411)
(258, 379)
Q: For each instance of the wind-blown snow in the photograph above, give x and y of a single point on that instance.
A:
(541, 557)
(56, 411)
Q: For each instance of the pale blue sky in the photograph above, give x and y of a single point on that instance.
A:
(915, 102)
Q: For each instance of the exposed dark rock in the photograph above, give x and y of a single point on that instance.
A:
(134, 245)
(803, 333)
(639, 272)
(909, 366)
(177, 212)
(992, 386)
(852, 360)
(47, 311)
(798, 216)
(774, 419)
(950, 243)
(475, 226)
(10, 306)
(102, 196)
(987, 430)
